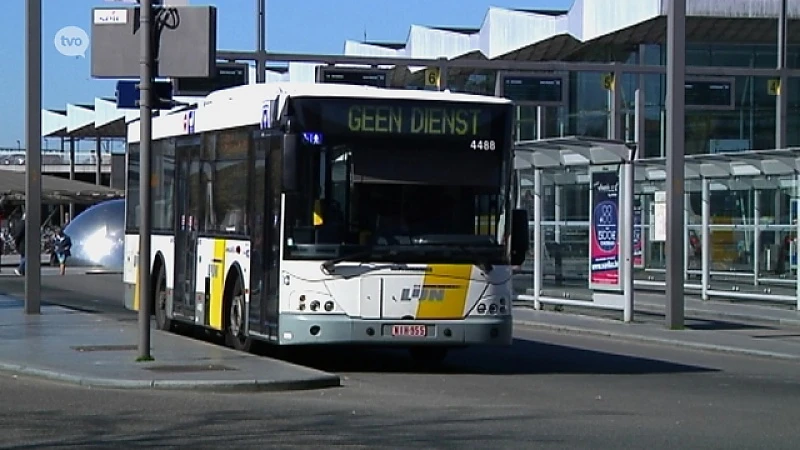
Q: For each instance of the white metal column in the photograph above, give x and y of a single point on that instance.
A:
(687, 209)
(756, 235)
(705, 238)
(626, 240)
(537, 237)
(557, 194)
(540, 122)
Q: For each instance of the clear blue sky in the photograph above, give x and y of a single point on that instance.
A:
(303, 26)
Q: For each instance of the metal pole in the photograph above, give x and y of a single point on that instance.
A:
(705, 236)
(797, 241)
(540, 122)
(558, 189)
(686, 241)
(782, 97)
(626, 238)
(756, 235)
(676, 85)
(98, 163)
(71, 173)
(537, 237)
(261, 38)
(616, 106)
(33, 159)
(639, 104)
(146, 122)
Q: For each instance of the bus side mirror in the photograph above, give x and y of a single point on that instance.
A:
(520, 236)
(289, 162)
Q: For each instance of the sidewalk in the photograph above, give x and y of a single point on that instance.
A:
(755, 330)
(99, 351)
(12, 261)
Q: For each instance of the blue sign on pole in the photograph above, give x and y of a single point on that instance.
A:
(128, 94)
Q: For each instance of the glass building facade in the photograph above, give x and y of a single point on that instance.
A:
(748, 125)
(748, 122)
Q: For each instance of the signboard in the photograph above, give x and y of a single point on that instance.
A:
(532, 89)
(608, 81)
(473, 126)
(659, 218)
(710, 93)
(185, 46)
(353, 75)
(128, 94)
(433, 78)
(227, 75)
(638, 242)
(604, 251)
(774, 86)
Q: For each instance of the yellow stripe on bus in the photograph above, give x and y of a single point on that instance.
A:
(444, 292)
(217, 285)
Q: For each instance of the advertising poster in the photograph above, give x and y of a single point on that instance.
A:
(638, 244)
(603, 231)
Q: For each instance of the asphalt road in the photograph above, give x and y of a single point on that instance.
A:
(546, 391)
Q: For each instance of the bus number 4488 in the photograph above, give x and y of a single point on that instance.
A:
(488, 146)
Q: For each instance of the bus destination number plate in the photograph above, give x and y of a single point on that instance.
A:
(410, 330)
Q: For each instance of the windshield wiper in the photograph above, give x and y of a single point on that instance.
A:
(329, 267)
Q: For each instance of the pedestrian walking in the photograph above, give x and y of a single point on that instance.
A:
(62, 244)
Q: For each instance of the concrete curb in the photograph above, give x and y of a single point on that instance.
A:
(309, 383)
(701, 314)
(656, 340)
(724, 315)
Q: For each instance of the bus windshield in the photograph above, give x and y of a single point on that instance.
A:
(396, 201)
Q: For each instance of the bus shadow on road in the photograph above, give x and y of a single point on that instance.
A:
(522, 357)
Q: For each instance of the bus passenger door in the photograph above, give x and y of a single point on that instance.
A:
(187, 216)
(263, 312)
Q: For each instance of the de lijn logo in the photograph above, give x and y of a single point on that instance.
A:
(72, 41)
(605, 219)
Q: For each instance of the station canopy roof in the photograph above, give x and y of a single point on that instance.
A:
(570, 151)
(55, 189)
(760, 169)
(568, 159)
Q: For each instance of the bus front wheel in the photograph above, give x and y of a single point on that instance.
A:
(235, 327)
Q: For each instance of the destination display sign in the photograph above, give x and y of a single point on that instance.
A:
(485, 126)
(535, 89)
(709, 93)
(361, 77)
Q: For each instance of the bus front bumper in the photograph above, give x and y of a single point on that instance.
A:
(306, 329)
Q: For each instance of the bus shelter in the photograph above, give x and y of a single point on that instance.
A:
(591, 246)
(741, 225)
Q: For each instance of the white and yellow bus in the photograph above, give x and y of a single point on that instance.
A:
(300, 214)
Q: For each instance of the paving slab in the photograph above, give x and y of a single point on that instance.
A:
(751, 340)
(99, 351)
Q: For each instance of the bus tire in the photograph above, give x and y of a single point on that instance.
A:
(428, 356)
(163, 322)
(235, 318)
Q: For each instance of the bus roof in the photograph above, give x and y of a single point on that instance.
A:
(242, 105)
(288, 89)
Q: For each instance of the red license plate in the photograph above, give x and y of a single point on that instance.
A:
(409, 330)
